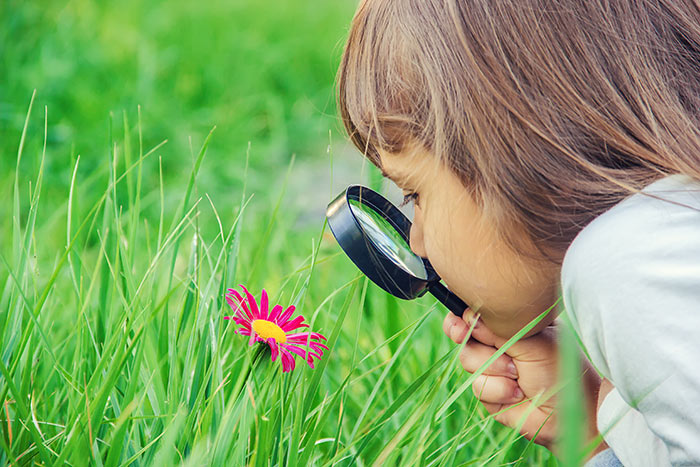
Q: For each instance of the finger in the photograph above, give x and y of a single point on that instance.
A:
(493, 408)
(497, 390)
(455, 328)
(484, 335)
(531, 422)
(474, 354)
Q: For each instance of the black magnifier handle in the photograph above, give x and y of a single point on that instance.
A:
(447, 298)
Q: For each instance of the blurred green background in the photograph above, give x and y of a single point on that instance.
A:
(262, 72)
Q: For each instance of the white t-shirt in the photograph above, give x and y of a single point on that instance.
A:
(631, 286)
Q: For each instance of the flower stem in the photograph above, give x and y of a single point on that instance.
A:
(251, 362)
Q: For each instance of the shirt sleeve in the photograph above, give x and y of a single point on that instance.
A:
(631, 285)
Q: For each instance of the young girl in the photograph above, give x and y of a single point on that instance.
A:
(552, 150)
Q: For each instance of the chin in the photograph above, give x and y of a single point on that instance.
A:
(509, 327)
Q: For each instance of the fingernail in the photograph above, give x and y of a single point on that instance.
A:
(518, 394)
(512, 370)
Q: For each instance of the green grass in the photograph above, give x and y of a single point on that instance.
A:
(127, 215)
(115, 348)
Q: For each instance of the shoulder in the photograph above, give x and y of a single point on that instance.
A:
(648, 239)
(659, 222)
(638, 258)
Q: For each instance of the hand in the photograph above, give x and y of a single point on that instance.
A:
(518, 383)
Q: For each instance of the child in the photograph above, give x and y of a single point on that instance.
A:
(551, 149)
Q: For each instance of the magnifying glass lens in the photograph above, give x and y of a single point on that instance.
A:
(387, 239)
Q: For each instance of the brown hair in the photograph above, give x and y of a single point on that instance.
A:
(549, 112)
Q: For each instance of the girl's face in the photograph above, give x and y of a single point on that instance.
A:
(449, 229)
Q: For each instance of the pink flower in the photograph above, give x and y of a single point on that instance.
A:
(274, 328)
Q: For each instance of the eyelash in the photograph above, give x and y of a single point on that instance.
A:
(409, 197)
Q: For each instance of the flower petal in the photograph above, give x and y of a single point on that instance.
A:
(251, 303)
(288, 363)
(275, 313)
(297, 322)
(242, 322)
(304, 336)
(240, 314)
(274, 348)
(297, 350)
(318, 349)
(263, 304)
(305, 351)
(285, 316)
(236, 302)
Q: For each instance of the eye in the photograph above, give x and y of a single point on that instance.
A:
(407, 198)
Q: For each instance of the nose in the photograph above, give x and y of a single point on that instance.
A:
(416, 236)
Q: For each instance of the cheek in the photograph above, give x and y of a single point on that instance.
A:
(481, 270)
(462, 251)
(443, 244)
(467, 253)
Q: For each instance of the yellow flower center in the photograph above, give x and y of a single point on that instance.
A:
(267, 329)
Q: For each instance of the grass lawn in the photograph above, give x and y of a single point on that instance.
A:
(159, 163)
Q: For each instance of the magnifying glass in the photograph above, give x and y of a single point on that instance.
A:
(375, 235)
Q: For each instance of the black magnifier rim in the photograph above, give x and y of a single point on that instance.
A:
(393, 216)
(362, 250)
